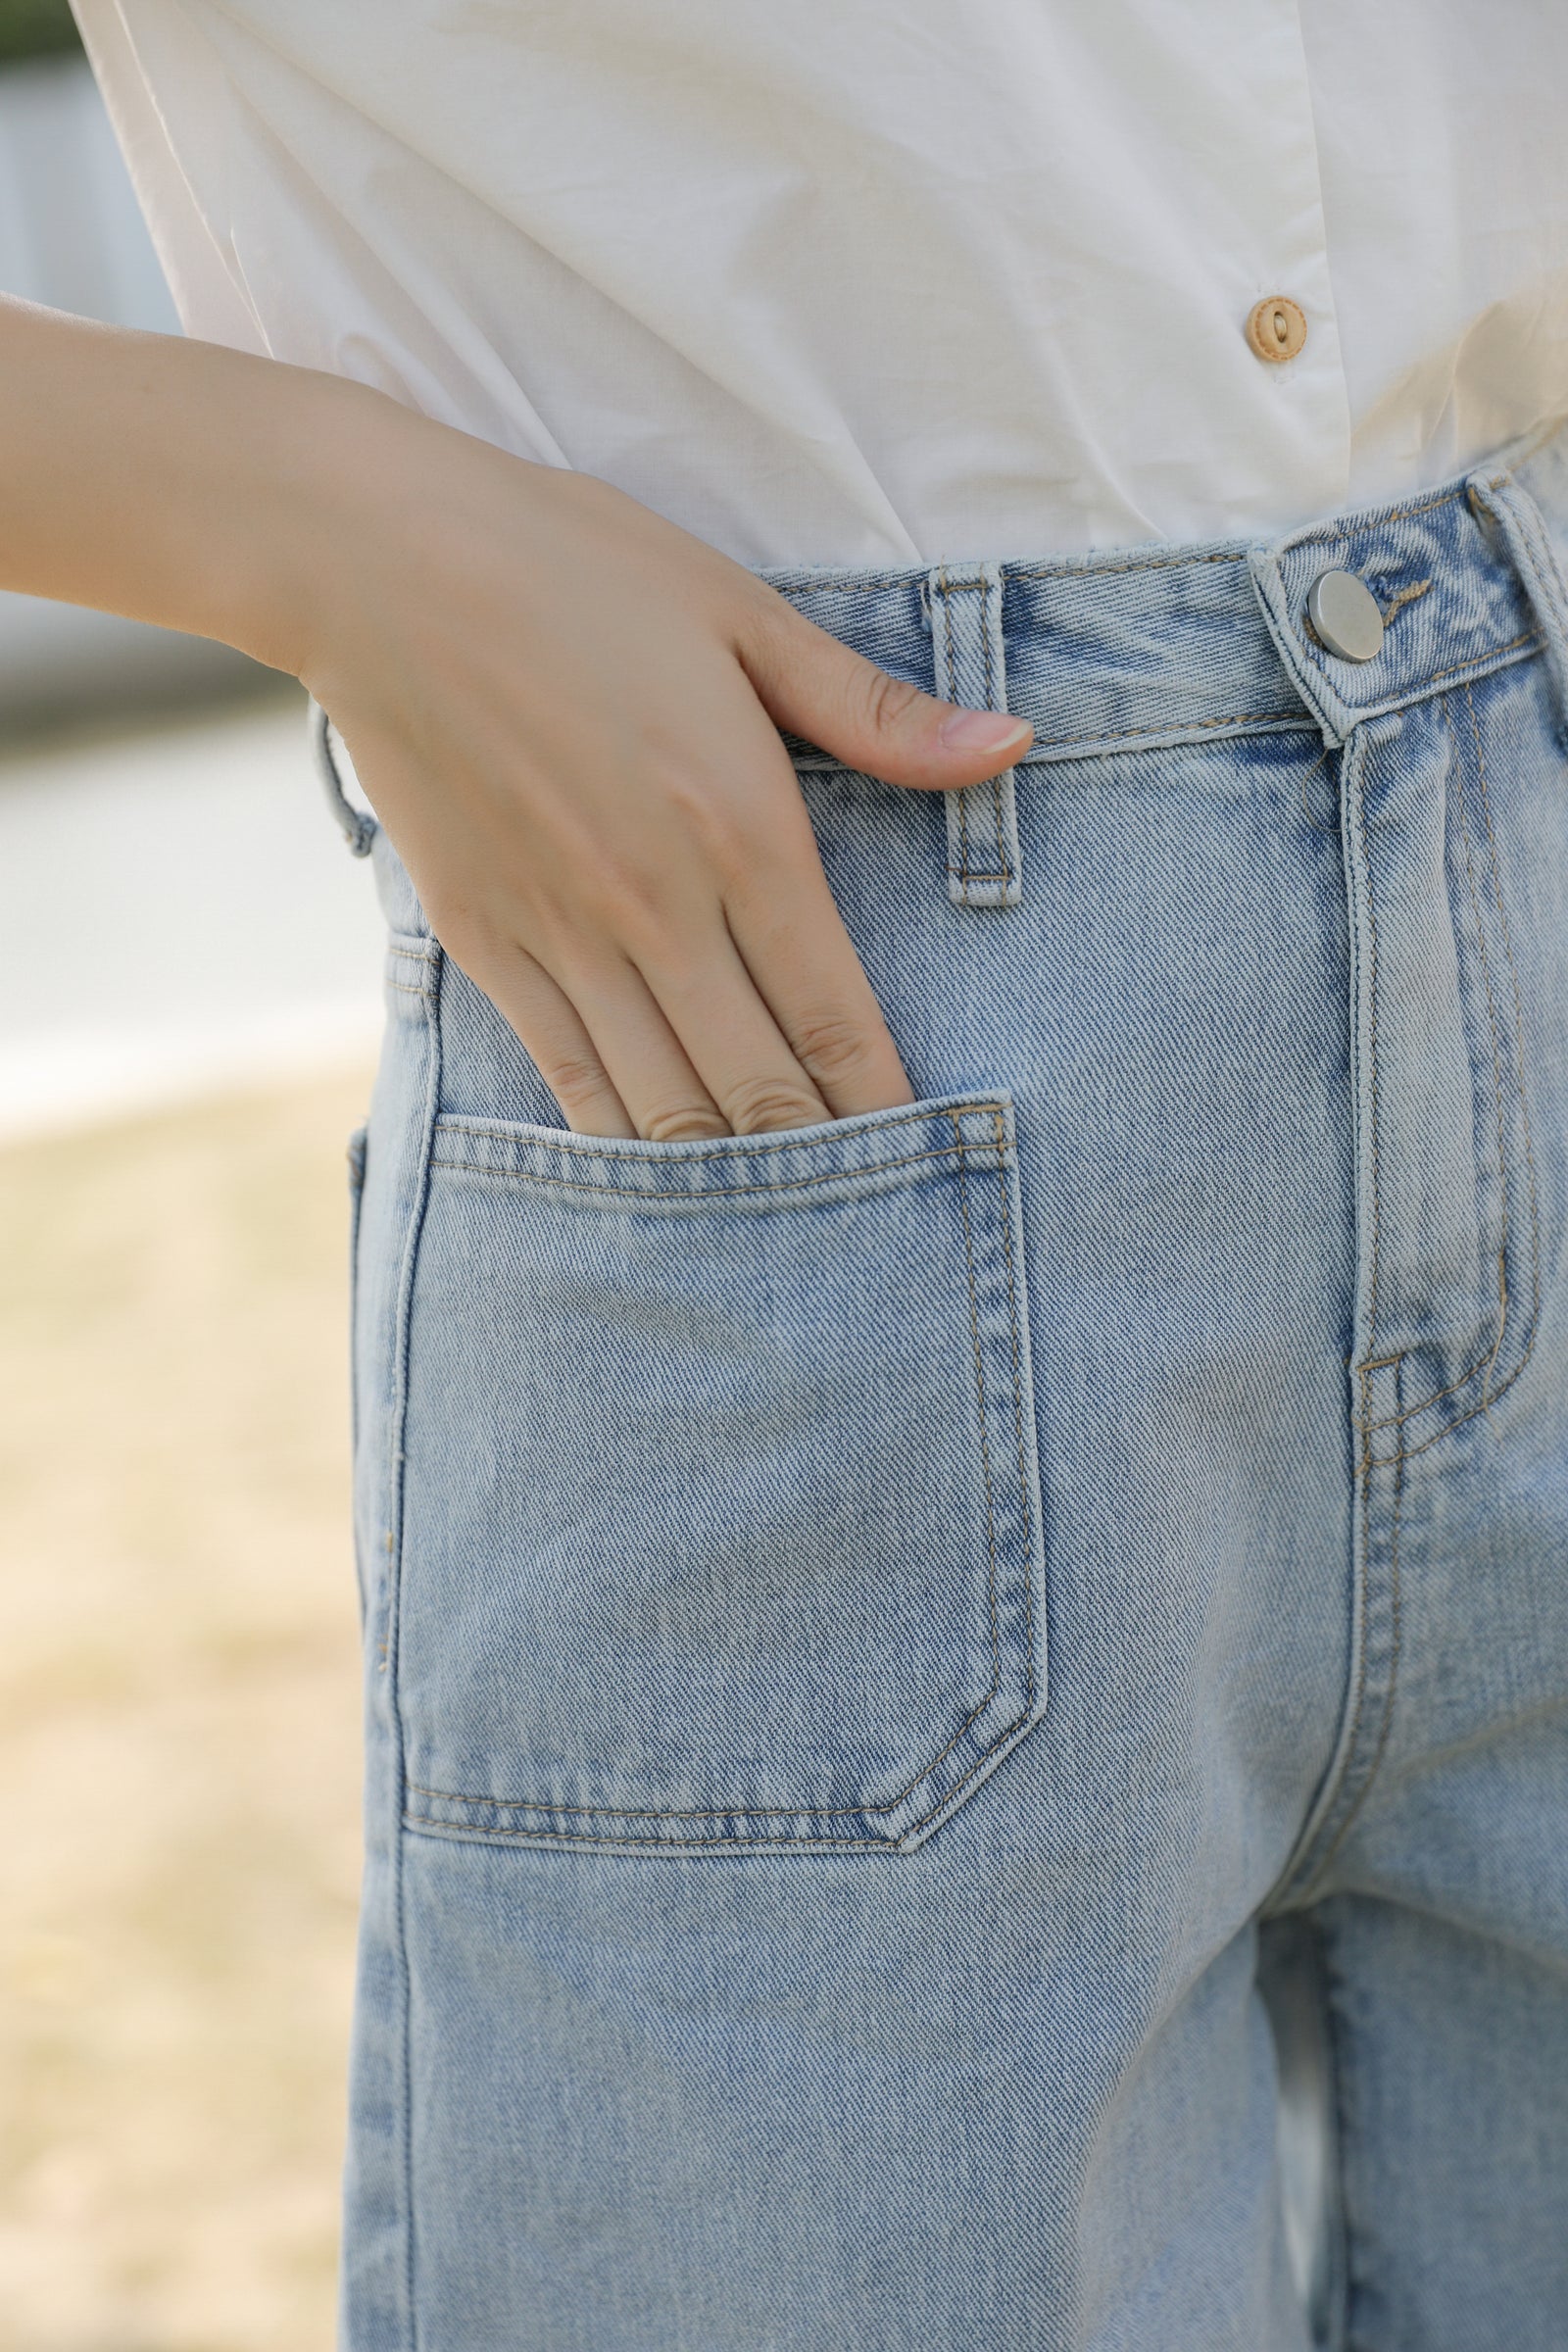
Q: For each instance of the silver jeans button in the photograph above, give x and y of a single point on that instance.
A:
(1343, 615)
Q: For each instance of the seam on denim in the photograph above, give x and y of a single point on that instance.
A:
(1017, 1419)
(1094, 571)
(1347, 2268)
(1360, 787)
(407, 988)
(1176, 726)
(750, 1844)
(967, 872)
(1484, 1365)
(1400, 697)
(1503, 1171)
(1406, 596)
(1530, 523)
(1353, 1738)
(991, 703)
(655, 1845)
(985, 1445)
(394, 1616)
(715, 1192)
(952, 696)
(1397, 1420)
(1422, 506)
(1038, 753)
(605, 1146)
(1475, 661)
(1519, 1026)
(1396, 1635)
(1418, 689)
(1330, 531)
(1299, 1866)
(866, 1809)
(474, 1834)
(1407, 1453)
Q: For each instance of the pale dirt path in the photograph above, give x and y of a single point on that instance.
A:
(179, 1728)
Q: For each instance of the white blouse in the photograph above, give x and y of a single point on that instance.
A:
(876, 281)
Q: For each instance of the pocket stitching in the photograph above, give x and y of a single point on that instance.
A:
(750, 1812)
(715, 1192)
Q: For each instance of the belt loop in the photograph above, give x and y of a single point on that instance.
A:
(357, 825)
(1514, 513)
(984, 868)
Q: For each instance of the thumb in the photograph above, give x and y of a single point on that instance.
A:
(808, 682)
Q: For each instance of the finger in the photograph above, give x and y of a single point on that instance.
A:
(653, 1075)
(790, 938)
(819, 688)
(736, 1047)
(557, 1039)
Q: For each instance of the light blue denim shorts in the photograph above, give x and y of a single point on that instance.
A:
(968, 1708)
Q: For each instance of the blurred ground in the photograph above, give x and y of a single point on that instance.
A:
(179, 1727)
(179, 912)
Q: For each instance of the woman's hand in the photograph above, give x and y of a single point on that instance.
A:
(563, 709)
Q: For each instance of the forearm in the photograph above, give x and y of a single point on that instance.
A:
(169, 480)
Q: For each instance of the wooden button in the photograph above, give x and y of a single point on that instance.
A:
(1276, 328)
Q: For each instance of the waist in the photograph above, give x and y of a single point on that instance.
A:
(1168, 644)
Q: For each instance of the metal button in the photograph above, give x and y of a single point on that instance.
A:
(1276, 328)
(1343, 615)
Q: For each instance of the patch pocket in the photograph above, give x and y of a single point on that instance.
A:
(721, 1527)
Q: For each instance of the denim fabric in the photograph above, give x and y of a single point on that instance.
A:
(919, 1671)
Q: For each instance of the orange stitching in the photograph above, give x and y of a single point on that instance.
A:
(1407, 1453)
(1425, 506)
(1406, 596)
(1393, 1420)
(1474, 661)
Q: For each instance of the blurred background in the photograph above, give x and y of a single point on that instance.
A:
(184, 1045)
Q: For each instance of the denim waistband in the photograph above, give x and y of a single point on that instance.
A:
(1162, 644)
(1150, 647)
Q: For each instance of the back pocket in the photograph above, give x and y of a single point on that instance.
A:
(721, 1526)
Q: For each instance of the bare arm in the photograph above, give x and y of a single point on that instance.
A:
(563, 709)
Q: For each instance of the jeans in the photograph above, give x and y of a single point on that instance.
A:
(921, 1672)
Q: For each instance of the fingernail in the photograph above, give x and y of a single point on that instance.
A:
(981, 731)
